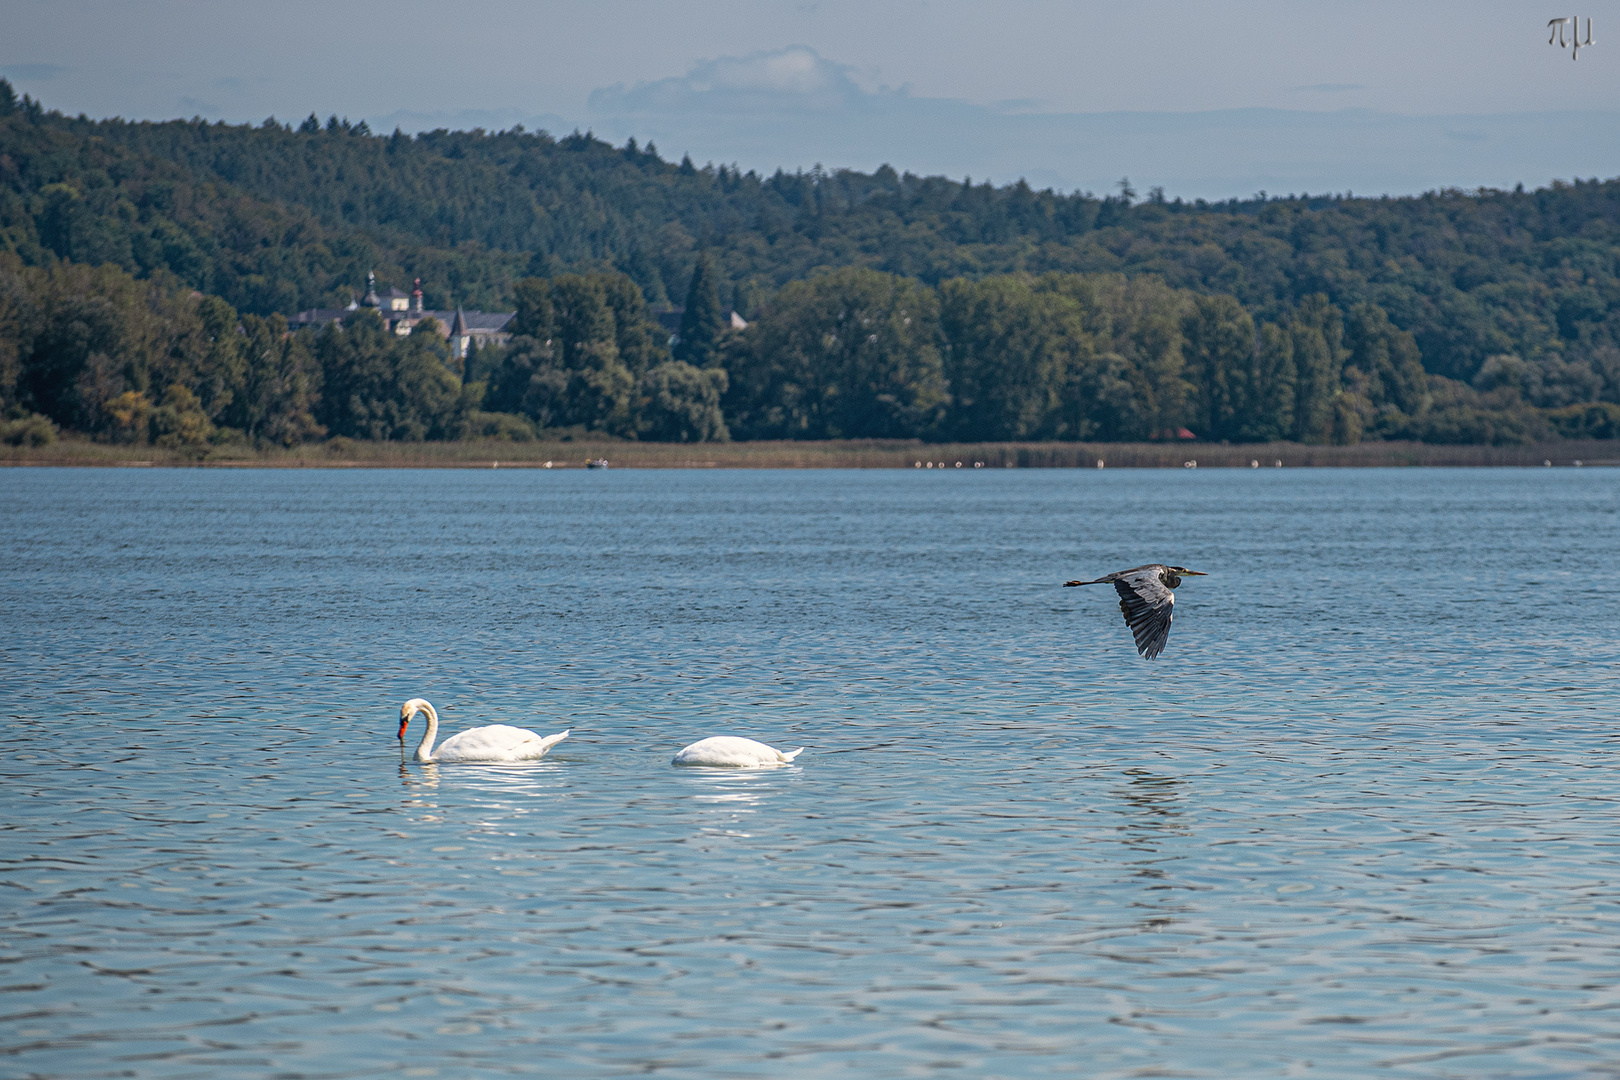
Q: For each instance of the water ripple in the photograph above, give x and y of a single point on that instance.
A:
(1358, 820)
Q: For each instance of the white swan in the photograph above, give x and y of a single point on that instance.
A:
(730, 752)
(497, 742)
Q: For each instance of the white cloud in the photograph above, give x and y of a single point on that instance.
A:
(796, 78)
(794, 70)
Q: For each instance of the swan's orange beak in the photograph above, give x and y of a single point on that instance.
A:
(404, 722)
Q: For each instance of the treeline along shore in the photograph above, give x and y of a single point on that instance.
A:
(147, 272)
(342, 453)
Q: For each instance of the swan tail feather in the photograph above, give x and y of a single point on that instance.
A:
(552, 740)
(791, 754)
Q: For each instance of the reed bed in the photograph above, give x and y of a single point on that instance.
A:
(841, 454)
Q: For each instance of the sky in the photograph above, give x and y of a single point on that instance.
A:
(1212, 99)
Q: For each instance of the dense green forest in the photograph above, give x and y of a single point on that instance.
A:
(143, 267)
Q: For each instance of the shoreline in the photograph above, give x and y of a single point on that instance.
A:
(834, 454)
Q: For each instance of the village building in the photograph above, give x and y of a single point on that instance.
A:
(401, 312)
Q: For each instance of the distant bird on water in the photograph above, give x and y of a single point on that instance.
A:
(1146, 598)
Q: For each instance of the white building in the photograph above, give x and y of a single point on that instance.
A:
(402, 311)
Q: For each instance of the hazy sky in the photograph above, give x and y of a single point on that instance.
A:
(1215, 98)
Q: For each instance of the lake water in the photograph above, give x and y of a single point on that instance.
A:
(1362, 818)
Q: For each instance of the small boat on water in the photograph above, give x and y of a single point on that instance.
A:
(597, 463)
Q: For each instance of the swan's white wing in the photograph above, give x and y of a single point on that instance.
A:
(497, 742)
(729, 751)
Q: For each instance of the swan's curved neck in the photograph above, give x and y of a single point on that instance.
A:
(424, 749)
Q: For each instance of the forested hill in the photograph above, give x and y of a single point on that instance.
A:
(278, 217)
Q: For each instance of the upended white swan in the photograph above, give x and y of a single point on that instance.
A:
(730, 752)
(497, 742)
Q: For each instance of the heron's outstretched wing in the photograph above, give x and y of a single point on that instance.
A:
(1147, 605)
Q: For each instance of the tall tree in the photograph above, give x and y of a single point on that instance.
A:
(1137, 386)
(848, 354)
(211, 363)
(1317, 330)
(681, 403)
(1268, 399)
(1385, 360)
(701, 323)
(579, 380)
(534, 317)
(1009, 352)
(275, 404)
(377, 385)
(1220, 354)
(637, 336)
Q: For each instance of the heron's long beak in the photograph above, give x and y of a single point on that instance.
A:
(1195, 573)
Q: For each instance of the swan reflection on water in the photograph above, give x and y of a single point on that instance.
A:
(511, 789)
(419, 786)
(739, 789)
(423, 776)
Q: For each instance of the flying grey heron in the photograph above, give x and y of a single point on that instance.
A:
(1146, 598)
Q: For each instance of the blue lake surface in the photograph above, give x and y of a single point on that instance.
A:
(1360, 819)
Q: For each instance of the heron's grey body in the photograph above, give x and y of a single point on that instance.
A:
(1147, 597)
